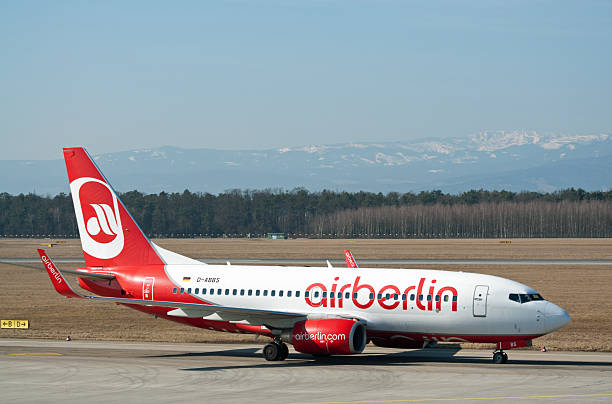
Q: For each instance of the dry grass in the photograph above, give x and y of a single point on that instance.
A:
(26, 293)
(594, 249)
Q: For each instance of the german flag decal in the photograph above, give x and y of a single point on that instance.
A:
(186, 278)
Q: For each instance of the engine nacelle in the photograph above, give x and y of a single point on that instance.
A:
(329, 336)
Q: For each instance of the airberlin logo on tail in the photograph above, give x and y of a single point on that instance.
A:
(104, 221)
(97, 212)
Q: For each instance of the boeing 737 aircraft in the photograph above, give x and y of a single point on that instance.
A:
(320, 311)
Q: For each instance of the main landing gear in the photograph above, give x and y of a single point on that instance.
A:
(500, 357)
(276, 351)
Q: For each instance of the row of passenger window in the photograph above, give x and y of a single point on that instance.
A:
(236, 292)
(315, 294)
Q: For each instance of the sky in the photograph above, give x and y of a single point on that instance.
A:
(120, 75)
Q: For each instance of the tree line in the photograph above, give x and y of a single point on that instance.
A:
(300, 213)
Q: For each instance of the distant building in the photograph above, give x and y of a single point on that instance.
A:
(276, 236)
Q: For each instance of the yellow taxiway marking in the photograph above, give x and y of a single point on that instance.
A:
(36, 354)
(424, 400)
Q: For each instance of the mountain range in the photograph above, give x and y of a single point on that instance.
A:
(515, 161)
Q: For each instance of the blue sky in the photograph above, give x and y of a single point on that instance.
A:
(116, 75)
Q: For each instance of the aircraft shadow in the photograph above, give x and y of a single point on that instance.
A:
(409, 358)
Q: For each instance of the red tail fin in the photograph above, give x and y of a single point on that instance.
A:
(109, 234)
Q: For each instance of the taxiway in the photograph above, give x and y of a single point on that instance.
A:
(103, 372)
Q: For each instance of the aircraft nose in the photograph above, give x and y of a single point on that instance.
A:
(556, 317)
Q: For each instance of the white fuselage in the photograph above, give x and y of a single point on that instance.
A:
(420, 301)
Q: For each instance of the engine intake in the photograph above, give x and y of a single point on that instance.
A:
(330, 336)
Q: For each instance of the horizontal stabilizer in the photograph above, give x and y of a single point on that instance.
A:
(83, 274)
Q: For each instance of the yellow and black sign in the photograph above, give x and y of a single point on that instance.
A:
(14, 324)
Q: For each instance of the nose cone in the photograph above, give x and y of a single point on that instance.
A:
(556, 317)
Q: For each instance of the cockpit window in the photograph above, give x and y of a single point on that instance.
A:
(525, 297)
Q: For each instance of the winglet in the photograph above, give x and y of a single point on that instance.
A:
(57, 279)
(350, 261)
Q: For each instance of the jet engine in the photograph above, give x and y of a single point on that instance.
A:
(330, 336)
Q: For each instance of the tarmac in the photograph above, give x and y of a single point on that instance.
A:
(342, 263)
(35, 371)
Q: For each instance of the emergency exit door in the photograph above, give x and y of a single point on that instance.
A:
(480, 300)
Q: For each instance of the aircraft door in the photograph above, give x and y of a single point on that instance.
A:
(480, 300)
(147, 288)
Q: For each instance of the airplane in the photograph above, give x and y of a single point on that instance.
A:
(321, 311)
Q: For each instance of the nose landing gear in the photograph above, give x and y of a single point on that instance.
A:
(500, 357)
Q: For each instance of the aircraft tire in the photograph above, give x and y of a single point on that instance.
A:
(498, 357)
(284, 352)
(272, 352)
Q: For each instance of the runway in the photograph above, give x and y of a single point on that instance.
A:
(340, 262)
(102, 372)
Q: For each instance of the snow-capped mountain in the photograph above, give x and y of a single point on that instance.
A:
(516, 160)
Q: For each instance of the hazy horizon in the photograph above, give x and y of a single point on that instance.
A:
(246, 74)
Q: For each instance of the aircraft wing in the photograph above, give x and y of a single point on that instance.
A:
(350, 260)
(269, 318)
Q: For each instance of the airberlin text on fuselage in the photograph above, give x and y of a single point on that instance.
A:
(337, 292)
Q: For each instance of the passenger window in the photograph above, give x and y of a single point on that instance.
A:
(197, 291)
(446, 298)
(437, 298)
(412, 297)
(354, 295)
(257, 292)
(211, 291)
(174, 291)
(226, 292)
(219, 291)
(454, 298)
(182, 290)
(421, 297)
(371, 296)
(280, 293)
(306, 294)
(250, 292)
(272, 292)
(265, 292)
(379, 296)
(324, 295)
(203, 291)
(241, 292)
(288, 293)
(428, 298)
(396, 296)
(235, 292)
(189, 290)
(297, 293)
(316, 294)
(404, 297)
(347, 295)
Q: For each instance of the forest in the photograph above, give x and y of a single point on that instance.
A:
(330, 214)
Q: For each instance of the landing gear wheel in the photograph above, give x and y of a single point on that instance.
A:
(272, 352)
(284, 351)
(500, 357)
